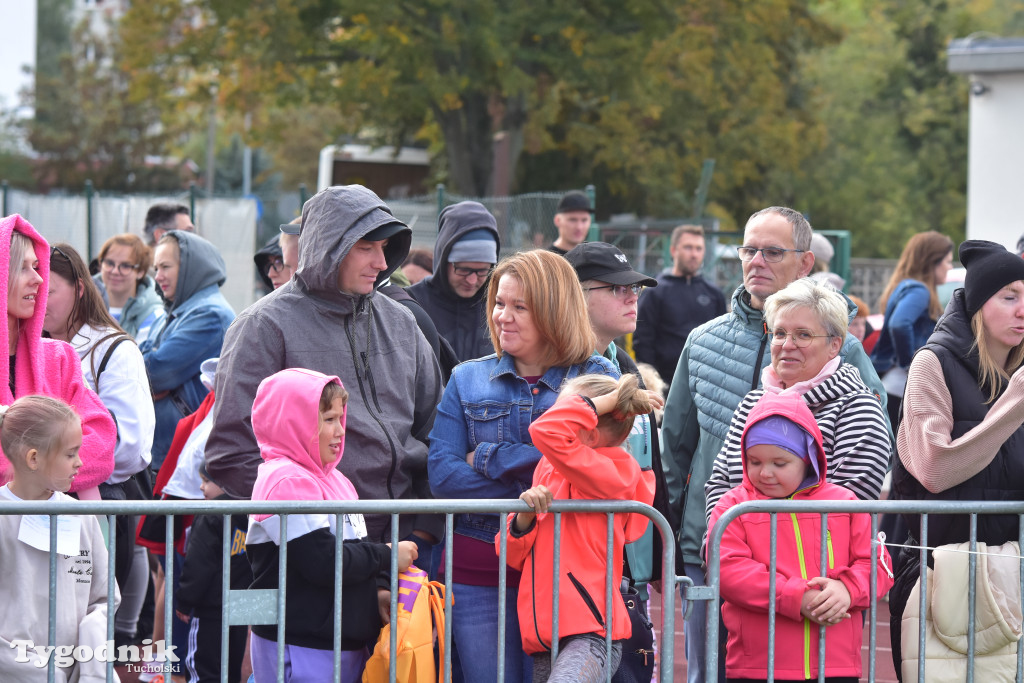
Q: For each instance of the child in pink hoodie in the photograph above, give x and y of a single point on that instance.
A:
(298, 418)
(783, 458)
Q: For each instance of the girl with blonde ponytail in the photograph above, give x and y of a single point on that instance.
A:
(580, 438)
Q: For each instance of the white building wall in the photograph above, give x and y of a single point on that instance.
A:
(995, 183)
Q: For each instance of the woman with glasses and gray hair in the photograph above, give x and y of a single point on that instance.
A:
(806, 323)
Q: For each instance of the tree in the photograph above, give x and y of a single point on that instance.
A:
(86, 125)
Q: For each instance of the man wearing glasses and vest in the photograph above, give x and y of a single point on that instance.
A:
(721, 361)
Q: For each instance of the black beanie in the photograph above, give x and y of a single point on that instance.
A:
(990, 267)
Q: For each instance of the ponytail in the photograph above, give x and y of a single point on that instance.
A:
(631, 400)
(33, 422)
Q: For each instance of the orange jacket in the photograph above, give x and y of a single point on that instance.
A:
(573, 470)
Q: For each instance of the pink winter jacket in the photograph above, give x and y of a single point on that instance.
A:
(52, 368)
(745, 557)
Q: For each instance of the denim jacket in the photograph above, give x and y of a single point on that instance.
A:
(488, 408)
(186, 337)
(906, 328)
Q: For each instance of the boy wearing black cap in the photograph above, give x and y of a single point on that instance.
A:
(572, 219)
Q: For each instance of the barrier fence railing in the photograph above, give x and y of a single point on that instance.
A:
(712, 592)
(268, 606)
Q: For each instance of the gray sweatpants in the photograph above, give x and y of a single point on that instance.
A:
(581, 659)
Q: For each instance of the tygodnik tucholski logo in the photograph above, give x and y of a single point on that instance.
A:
(67, 655)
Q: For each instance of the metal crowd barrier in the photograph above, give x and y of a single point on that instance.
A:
(266, 606)
(712, 592)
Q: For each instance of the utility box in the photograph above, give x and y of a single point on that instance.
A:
(995, 169)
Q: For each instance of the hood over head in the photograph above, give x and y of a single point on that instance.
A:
(286, 422)
(272, 247)
(201, 266)
(769, 408)
(454, 222)
(333, 220)
(29, 358)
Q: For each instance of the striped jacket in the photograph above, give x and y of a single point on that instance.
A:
(853, 427)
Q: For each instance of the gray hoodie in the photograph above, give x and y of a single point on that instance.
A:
(371, 342)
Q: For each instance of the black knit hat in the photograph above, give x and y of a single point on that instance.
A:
(990, 267)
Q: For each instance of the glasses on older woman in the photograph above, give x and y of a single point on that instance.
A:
(123, 268)
(801, 338)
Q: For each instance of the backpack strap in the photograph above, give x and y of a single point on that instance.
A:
(118, 339)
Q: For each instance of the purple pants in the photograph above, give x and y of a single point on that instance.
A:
(303, 664)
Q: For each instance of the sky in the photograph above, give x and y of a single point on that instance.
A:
(17, 49)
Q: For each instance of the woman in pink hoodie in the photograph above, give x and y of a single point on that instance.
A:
(783, 458)
(46, 366)
(298, 418)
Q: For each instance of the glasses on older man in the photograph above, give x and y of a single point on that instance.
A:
(619, 291)
(770, 254)
(801, 338)
(123, 268)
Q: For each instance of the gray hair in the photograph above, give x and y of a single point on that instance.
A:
(827, 304)
(801, 227)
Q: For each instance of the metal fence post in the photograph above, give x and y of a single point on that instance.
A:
(595, 230)
(192, 201)
(5, 188)
(303, 194)
(440, 197)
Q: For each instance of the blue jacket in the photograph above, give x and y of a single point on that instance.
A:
(721, 361)
(488, 408)
(906, 328)
(192, 331)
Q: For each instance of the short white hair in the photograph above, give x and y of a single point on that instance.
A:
(827, 304)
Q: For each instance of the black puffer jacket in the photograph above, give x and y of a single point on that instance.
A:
(463, 322)
(1002, 480)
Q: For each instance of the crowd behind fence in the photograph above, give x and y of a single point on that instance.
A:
(266, 606)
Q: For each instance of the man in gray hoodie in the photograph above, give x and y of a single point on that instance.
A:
(329, 318)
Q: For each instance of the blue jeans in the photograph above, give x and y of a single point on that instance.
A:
(696, 631)
(475, 632)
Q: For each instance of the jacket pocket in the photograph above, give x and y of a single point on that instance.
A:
(589, 601)
(488, 423)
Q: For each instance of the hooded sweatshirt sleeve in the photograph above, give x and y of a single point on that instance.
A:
(252, 351)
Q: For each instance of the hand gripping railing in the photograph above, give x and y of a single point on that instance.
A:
(256, 607)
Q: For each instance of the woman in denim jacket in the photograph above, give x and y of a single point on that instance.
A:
(480, 445)
(190, 272)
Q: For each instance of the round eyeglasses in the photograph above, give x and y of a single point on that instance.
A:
(801, 338)
(123, 268)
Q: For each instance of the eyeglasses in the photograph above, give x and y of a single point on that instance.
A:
(771, 254)
(122, 268)
(801, 338)
(275, 264)
(619, 291)
(466, 272)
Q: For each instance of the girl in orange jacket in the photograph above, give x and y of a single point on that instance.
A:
(580, 438)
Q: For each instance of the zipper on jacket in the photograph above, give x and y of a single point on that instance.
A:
(756, 379)
(586, 599)
(831, 557)
(362, 391)
(803, 574)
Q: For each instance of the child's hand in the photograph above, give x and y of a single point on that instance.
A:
(407, 552)
(827, 600)
(657, 402)
(539, 498)
(384, 605)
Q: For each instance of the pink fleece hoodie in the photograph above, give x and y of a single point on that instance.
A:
(51, 368)
(286, 422)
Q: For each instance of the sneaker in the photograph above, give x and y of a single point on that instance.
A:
(151, 671)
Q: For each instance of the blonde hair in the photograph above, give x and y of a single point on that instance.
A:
(923, 252)
(554, 297)
(990, 373)
(630, 401)
(828, 305)
(20, 245)
(33, 422)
